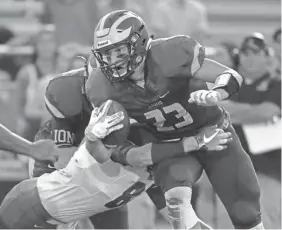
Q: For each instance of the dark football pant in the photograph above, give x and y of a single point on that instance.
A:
(233, 178)
(230, 172)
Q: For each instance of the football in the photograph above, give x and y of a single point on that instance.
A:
(120, 136)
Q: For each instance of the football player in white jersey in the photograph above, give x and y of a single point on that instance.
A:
(90, 183)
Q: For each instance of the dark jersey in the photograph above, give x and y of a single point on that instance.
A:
(163, 102)
(65, 99)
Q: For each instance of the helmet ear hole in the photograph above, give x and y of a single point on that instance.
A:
(138, 59)
(134, 38)
(144, 41)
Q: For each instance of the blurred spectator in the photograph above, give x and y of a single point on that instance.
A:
(7, 63)
(276, 43)
(172, 17)
(29, 76)
(5, 35)
(260, 97)
(257, 110)
(107, 6)
(226, 53)
(74, 20)
(68, 56)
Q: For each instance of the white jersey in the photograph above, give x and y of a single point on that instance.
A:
(85, 187)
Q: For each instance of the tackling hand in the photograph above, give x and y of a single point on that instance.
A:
(213, 139)
(45, 150)
(101, 124)
(205, 97)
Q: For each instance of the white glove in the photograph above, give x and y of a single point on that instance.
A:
(101, 125)
(213, 138)
(205, 97)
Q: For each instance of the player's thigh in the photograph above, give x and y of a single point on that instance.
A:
(175, 172)
(112, 219)
(233, 177)
(22, 207)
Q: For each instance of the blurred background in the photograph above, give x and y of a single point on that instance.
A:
(39, 39)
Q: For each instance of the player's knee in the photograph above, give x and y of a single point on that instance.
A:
(178, 201)
(246, 213)
(184, 174)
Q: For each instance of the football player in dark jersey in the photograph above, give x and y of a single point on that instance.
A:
(152, 80)
(59, 197)
(70, 108)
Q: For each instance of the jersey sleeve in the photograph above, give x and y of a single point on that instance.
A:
(63, 100)
(179, 56)
(63, 97)
(63, 133)
(195, 54)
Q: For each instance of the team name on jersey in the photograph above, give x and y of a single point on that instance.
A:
(63, 137)
(155, 105)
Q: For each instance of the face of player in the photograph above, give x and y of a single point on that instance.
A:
(117, 58)
(253, 60)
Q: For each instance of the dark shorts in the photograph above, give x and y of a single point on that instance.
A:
(22, 208)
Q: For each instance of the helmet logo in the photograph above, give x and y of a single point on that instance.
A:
(103, 43)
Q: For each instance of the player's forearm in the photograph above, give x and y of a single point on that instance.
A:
(10, 141)
(156, 152)
(226, 81)
(98, 150)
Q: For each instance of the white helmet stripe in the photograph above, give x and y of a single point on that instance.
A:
(102, 23)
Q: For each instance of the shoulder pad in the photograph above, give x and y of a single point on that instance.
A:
(176, 56)
(98, 88)
(63, 97)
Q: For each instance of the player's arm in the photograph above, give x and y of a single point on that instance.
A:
(42, 150)
(226, 81)
(101, 125)
(141, 156)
